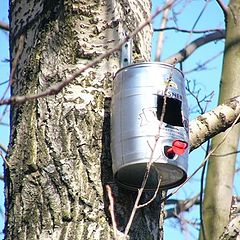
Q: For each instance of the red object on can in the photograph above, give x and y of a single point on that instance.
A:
(178, 147)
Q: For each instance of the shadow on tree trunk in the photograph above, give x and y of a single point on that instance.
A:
(146, 221)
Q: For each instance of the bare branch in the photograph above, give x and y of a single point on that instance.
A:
(111, 210)
(226, 154)
(55, 89)
(3, 147)
(232, 230)
(202, 66)
(14, 63)
(195, 94)
(181, 206)
(154, 196)
(223, 7)
(148, 168)
(198, 18)
(161, 34)
(4, 159)
(4, 26)
(188, 31)
(206, 158)
(190, 48)
(211, 123)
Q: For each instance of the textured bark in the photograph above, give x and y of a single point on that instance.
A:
(213, 122)
(232, 230)
(220, 174)
(59, 155)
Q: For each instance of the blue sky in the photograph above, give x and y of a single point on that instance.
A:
(4, 73)
(207, 81)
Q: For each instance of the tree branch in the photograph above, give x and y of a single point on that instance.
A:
(161, 34)
(223, 7)
(232, 230)
(190, 48)
(56, 88)
(212, 123)
(4, 26)
(3, 148)
(187, 31)
(181, 206)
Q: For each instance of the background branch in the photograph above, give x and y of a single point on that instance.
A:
(232, 230)
(4, 26)
(190, 48)
(187, 31)
(223, 7)
(212, 123)
(161, 34)
(3, 148)
(56, 88)
(180, 206)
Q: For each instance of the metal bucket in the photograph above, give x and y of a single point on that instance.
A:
(138, 135)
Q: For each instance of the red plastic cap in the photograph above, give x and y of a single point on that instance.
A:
(179, 147)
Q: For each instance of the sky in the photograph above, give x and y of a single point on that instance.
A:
(4, 74)
(206, 81)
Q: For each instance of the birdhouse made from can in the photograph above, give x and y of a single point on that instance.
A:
(143, 94)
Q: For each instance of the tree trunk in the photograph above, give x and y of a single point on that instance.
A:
(221, 170)
(59, 154)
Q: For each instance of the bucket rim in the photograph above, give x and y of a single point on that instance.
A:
(133, 65)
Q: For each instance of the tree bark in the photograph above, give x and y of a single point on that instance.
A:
(211, 123)
(59, 155)
(232, 230)
(220, 174)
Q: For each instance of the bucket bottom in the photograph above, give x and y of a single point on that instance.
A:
(131, 176)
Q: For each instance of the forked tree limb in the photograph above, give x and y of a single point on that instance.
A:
(190, 48)
(213, 122)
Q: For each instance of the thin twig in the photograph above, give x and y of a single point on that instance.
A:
(163, 24)
(4, 159)
(14, 64)
(2, 83)
(223, 7)
(4, 124)
(56, 88)
(4, 113)
(201, 66)
(4, 26)
(226, 154)
(195, 95)
(180, 206)
(190, 48)
(153, 197)
(3, 147)
(149, 164)
(187, 31)
(198, 18)
(111, 210)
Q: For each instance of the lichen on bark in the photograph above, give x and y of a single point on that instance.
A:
(59, 153)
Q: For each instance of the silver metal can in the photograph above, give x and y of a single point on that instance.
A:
(143, 94)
